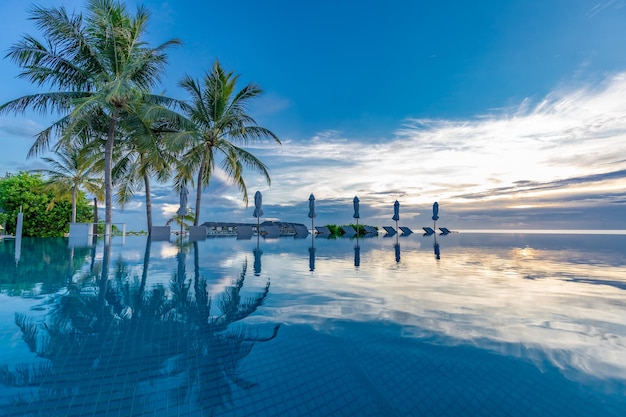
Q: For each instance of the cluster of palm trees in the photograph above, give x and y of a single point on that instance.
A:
(100, 72)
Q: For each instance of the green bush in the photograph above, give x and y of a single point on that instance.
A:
(45, 214)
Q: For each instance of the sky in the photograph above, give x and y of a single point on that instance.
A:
(511, 115)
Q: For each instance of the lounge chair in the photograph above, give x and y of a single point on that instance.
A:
(244, 232)
(348, 231)
(271, 231)
(370, 230)
(390, 230)
(160, 233)
(322, 231)
(301, 230)
(428, 231)
(197, 233)
(405, 230)
(444, 231)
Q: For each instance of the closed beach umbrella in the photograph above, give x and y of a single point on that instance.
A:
(258, 212)
(435, 214)
(312, 207)
(396, 211)
(182, 210)
(355, 203)
(258, 202)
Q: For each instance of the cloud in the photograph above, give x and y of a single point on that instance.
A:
(601, 6)
(566, 148)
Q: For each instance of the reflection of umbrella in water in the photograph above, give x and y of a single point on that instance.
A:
(180, 263)
(257, 260)
(435, 215)
(436, 248)
(357, 254)
(18, 236)
(397, 250)
(311, 259)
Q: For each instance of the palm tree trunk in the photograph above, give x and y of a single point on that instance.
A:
(74, 192)
(198, 194)
(108, 164)
(146, 183)
(95, 217)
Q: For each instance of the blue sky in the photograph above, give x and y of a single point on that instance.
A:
(509, 114)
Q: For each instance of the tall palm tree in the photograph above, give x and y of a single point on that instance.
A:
(221, 124)
(100, 64)
(143, 156)
(72, 169)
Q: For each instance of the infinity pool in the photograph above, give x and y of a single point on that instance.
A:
(466, 324)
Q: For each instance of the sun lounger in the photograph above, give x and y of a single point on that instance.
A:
(197, 233)
(370, 230)
(301, 230)
(390, 230)
(271, 231)
(244, 232)
(348, 231)
(444, 230)
(405, 230)
(428, 231)
(322, 231)
(160, 233)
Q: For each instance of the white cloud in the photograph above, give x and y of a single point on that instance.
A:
(567, 135)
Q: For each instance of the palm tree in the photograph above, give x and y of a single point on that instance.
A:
(221, 123)
(144, 156)
(101, 66)
(72, 169)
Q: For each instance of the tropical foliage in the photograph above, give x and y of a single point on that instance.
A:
(338, 231)
(31, 194)
(99, 72)
(72, 169)
(102, 68)
(220, 127)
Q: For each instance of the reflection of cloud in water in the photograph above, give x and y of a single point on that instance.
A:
(515, 301)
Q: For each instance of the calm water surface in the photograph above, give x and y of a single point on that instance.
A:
(462, 325)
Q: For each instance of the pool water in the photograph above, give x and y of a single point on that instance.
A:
(466, 324)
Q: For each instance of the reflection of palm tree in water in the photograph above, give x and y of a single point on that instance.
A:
(105, 339)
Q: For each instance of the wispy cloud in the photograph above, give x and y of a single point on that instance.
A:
(603, 5)
(560, 149)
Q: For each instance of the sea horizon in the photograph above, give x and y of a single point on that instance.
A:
(547, 231)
